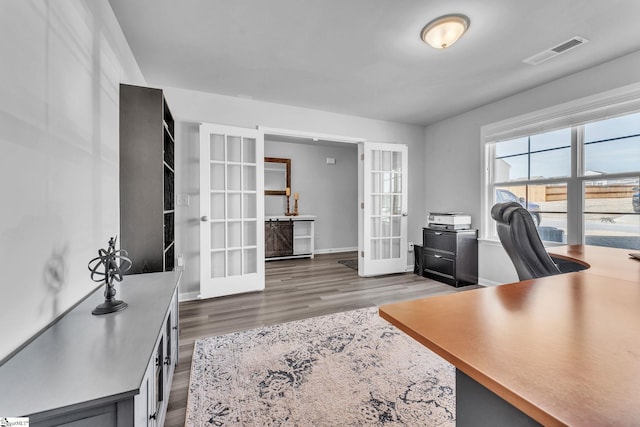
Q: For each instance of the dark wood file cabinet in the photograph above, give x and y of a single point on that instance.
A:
(450, 256)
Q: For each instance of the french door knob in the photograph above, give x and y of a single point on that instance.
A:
(204, 218)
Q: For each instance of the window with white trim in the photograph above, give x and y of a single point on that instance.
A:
(580, 183)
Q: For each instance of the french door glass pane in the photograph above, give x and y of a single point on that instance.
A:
(217, 206)
(396, 208)
(375, 249)
(375, 205)
(375, 161)
(217, 147)
(386, 161)
(397, 162)
(249, 150)
(234, 262)
(375, 227)
(234, 234)
(250, 261)
(396, 223)
(233, 210)
(217, 264)
(217, 176)
(385, 229)
(395, 248)
(376, 184)
(217, 235)
(249, 178)
(233, 178)
(234, 149)
(250, 233)
(249, 205)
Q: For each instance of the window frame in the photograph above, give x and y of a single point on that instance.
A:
(574, 115)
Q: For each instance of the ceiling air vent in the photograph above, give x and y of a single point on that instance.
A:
(563, 47)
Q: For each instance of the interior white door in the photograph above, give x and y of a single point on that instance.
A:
(231, 210)
(385, 175)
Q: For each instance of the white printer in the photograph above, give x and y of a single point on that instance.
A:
(449, 221)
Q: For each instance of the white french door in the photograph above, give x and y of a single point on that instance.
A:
(231, 210)
(385, 175)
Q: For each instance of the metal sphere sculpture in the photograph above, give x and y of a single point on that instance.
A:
(114, 263)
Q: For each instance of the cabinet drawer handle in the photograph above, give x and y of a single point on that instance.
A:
(437, 256)
(437, 233)
(167, 360)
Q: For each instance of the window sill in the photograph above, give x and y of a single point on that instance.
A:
(488, 241)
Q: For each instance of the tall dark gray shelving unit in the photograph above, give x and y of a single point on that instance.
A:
(147, 200)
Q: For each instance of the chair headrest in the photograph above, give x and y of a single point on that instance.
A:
(503, 212)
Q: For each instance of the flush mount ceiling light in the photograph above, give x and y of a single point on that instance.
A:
(444, 31)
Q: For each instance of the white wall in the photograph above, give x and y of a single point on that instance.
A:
(453, 147)
(330, 192)
(62, 62)
(191, 107)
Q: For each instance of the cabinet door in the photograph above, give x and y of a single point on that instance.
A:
(278, 238)
(143, 401)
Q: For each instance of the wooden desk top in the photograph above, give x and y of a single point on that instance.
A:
(563, 349)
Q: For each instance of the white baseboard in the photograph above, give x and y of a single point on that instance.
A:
(188, 296)
(335, 250)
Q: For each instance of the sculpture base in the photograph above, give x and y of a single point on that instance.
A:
(109, 307)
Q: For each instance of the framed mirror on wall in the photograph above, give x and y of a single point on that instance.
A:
(277, 176)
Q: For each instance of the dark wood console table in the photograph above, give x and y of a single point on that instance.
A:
(561, 350)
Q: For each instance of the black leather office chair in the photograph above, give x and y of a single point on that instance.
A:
(520, 239)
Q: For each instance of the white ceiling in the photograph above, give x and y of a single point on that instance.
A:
(365, 57)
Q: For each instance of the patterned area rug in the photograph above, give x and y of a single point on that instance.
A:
(351, 263)
(345, 369)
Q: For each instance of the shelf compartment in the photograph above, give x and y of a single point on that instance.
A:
(168, 229)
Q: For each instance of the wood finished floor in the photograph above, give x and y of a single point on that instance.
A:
(294, 290)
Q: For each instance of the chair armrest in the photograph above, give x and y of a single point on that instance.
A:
(566, 266)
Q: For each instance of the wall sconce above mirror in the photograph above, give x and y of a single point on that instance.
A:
(277, 176)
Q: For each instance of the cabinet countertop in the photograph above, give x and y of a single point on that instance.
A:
(288, 218)
(85, 358)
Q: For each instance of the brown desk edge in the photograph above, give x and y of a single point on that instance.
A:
(563, 349)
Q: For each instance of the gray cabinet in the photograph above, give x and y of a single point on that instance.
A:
(147, 199)
(450, 256)
(110, 370)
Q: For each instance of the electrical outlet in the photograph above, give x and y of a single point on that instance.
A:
(410, 246)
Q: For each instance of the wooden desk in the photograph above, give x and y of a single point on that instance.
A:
(563, 349)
